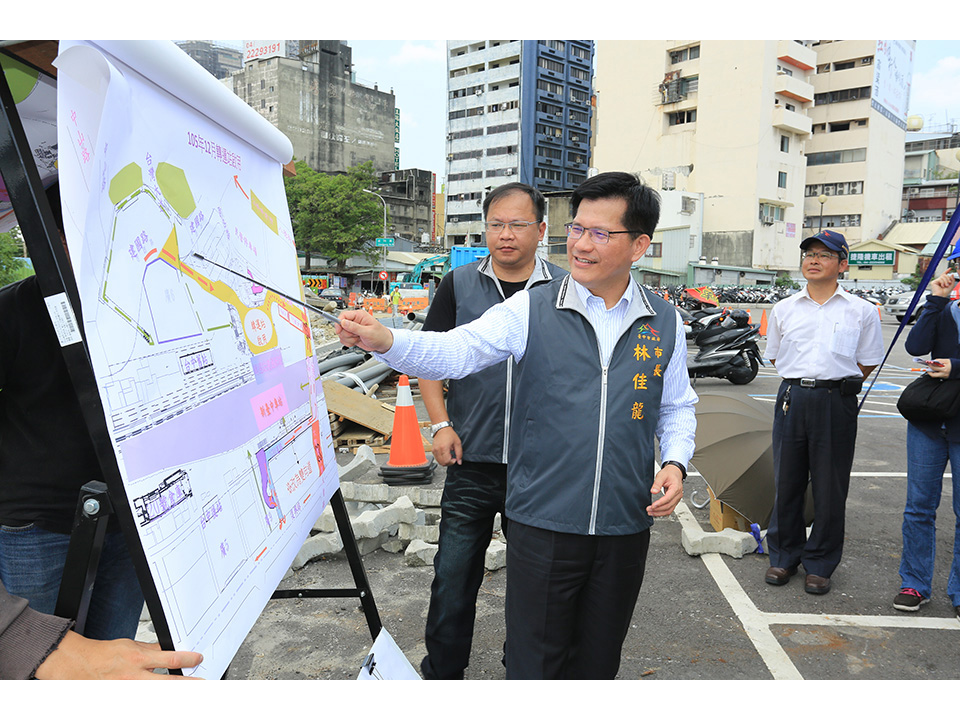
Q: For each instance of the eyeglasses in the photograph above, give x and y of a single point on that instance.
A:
(812, 255)
(516, 226)
(599, 236)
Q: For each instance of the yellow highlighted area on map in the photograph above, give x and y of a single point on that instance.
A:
(125, 182)
(260, 210)
(175, 188)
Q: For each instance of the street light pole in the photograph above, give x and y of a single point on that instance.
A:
(384, 264)
(822, 199)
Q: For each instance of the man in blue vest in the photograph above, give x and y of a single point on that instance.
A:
(470, 429)
(601, 372)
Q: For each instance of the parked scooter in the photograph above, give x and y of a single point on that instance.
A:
(727, 349)
(696, 321)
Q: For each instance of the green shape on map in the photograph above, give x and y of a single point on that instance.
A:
(21, 78)
(125, 183)
(175, 188)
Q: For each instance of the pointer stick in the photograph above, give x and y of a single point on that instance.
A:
(325, 315)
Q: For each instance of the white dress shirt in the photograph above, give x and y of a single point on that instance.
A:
(824, 342)
(501, 332)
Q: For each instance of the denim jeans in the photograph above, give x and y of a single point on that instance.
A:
(31, 565)
(472, 494)
(926, 462)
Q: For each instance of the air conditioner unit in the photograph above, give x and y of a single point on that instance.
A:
(768, 220)
(505, 106)
(479, 91)
(509, 171)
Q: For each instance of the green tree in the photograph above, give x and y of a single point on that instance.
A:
(12, 268)
(332, 216)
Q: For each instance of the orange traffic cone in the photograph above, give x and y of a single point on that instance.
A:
(763, 324)
(407, 464)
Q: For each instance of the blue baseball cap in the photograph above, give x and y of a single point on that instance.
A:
(833, 240)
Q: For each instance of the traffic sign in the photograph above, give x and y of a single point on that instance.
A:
(384, 242)
(383, 274)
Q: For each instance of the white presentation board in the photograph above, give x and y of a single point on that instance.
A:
(208, 382)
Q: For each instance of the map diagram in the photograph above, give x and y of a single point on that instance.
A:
(208, 382)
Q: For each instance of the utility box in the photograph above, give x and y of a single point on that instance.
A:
(462, 255)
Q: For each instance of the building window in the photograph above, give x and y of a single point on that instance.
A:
(837, 156)
(549, 152)
(679, 56)
(578, 116)
(580, 52)
(503, 150)
(770, 213)
(507, 127)
(501, 107)
(579, 73)
(550, 109)
(654, 250)
(466, 155)
(784, 143)
(682, 117)
(576, 137)
(781, 180)
(846, 95)
(550, 87)
(548, 64)
(575, 178)
(549, 130)
(577, 158)
(579, 96)
(557, 45)
(547, 174)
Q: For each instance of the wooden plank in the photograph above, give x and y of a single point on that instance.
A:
(357, 407)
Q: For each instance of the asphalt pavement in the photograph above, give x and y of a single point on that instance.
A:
(710, 617)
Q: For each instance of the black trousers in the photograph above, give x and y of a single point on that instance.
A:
(813, 441)
(570, 599)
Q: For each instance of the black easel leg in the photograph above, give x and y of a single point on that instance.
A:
(83, 555)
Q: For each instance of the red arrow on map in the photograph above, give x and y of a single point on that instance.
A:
(241, 187)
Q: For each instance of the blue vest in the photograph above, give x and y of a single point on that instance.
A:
(479, 404)
(582, 439)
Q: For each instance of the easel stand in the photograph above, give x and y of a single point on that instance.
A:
(361, 587)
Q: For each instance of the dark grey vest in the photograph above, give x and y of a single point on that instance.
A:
(479, 405)
(582, 440)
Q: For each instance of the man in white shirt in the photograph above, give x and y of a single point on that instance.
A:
(601, 371)
(824, 342)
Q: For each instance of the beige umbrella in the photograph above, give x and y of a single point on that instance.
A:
(734, 453)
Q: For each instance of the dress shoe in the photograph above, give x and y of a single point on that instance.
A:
(778, 575)
(817, 585)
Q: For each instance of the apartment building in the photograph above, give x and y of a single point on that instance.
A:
(518, 110)
(723, 119)
(855, 155)
(333, 122)
(930, 176)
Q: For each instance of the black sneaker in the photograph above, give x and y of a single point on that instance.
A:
(909, 600)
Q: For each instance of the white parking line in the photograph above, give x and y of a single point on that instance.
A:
(756, 623)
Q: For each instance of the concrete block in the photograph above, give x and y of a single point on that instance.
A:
(374, 522)
(315, 546)
(326, 522)
(367, 545)
(393, 545)
(496, 556)
(362, 463)
(728, 541)
(427, 533)
(419, 553)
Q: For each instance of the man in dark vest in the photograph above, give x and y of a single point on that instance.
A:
(470, 428)
(601, 372)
